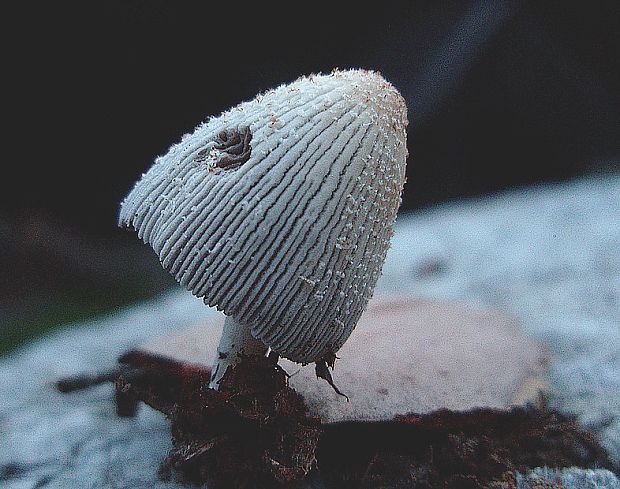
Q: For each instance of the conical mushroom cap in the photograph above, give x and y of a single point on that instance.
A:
(280, 211)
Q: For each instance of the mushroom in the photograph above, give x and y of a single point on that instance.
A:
(279, 213)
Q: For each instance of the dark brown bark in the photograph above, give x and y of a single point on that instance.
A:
(256, 432)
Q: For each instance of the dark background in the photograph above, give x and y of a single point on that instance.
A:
(500, 94)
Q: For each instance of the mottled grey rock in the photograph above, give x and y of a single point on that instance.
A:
(572, 477)
(71, 441)
(550, 256)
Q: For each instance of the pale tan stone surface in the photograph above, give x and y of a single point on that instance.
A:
(406, 355)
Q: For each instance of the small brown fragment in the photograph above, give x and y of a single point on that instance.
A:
(322, 372)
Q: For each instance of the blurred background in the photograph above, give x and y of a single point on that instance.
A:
(500, 94)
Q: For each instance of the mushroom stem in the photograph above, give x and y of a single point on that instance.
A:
(236, 342)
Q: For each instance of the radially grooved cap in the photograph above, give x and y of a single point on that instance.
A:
(280, 211)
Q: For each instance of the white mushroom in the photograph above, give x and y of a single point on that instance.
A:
(279, 212)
